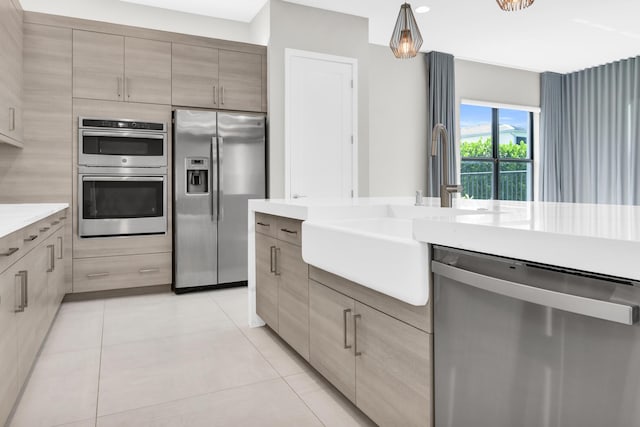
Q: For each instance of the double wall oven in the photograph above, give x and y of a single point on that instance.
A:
(122, 177)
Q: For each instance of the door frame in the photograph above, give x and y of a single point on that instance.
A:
(289, 54)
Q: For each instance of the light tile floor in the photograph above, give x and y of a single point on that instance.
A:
(167, 360)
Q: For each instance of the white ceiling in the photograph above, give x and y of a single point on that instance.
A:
(552, 35)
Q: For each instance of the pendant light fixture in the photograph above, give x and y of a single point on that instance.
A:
(513, 5)
(406, 39)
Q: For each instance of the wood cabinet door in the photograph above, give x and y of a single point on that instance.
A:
(240, 81)
(8, 342)
(11, 41)
(266, 281)
(194, 76)
(98, 66)
(147, 71)
(394, 369)
(331, 337)
(293, 297)
(32, 323)
(55, 273)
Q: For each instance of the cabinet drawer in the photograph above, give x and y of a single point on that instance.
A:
(266, 224)
(11, 249)
(131, 271)
(290, 230)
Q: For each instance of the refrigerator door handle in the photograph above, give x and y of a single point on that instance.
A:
(214, 178)
(220, 178)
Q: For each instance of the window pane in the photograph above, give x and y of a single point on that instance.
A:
(475, 131)
(514, 131)
(515, 181)
(477, 179)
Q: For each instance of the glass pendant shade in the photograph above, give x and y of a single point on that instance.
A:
(406, 39)
(512, 5)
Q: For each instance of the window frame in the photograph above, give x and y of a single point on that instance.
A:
(495, 150)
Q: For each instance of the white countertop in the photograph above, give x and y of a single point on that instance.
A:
(14, 217)
(596, 238)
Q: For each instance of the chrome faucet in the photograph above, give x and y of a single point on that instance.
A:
(446, 189)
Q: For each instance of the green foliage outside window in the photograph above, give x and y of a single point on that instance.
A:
(477, 176)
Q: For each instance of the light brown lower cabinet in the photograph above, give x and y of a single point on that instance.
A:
(266, 281)
(380, 363)
(31, 289)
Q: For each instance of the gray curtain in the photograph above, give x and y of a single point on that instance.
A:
(442, 109)
(590, 135)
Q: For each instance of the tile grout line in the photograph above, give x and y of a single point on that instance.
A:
(104, 309)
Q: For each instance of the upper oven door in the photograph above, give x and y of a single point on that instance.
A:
(112, 148)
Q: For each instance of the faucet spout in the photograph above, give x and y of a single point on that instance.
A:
(446, 189)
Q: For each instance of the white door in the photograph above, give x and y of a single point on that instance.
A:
(320, 125)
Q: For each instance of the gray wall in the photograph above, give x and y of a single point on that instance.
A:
(305, 28)
(397, 115)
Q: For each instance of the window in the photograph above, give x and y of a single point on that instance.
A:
(496, 151)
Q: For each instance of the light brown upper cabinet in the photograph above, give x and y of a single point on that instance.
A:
(10, 73)
(117, 68)
(214, 78)
(195, 76)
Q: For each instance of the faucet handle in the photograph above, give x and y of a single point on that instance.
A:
(419, 201)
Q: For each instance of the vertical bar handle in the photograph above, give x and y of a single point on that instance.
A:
(119, 87)
(60, 241)
(277, 270)
(215, 95)
(51, 266)
(345, 313)
(214, 177)
(355, 334)
(272, 267)
(220, 178)
(19, 279)
(222, 94)
(12, 118)
(128, 82)
(25, 288)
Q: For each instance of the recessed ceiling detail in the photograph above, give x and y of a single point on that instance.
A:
(235, 10)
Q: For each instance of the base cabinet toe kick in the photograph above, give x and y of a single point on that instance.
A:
(376, 350)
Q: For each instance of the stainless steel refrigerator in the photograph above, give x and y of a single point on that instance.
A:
(219, 164)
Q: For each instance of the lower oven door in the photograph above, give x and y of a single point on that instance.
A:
(122, 205)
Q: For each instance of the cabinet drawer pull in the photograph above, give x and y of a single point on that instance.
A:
(215, 95)
(264, 224)
(52, 258)
(355, 334)
(289, 231)
(20, 306)
(31, 238)
(222, 94)
(149, 270)
(94, 275)
(25, 287)
(344, 319)
(272, 268)
(276, 270)
(43, 229)
(10, 252)
(55, 223)
(62, 218)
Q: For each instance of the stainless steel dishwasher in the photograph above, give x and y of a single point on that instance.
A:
(521, 344)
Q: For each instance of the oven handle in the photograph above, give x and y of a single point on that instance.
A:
(125, 134)
(604, 310)
(123, 178)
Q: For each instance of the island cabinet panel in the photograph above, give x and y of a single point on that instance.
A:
(240, 81)
(393, 369)
(11, 42)
(9, 281)
(331, 337)
(147, 71)
(194, 76)
(266, 280)
(98, 66)
(293, 297)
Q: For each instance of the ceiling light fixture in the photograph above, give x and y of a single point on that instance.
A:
(406, 39)
(422, 9)
(513, 5)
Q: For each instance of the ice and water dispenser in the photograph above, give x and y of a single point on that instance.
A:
(197, 175)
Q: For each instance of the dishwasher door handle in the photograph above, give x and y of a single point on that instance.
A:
(605, 310)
